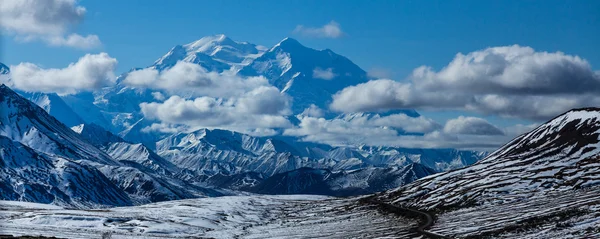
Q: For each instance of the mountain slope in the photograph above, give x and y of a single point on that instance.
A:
(26, 175)
(542, 184)
(561, 154)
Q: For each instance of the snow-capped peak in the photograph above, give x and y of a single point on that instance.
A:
(288, 43)
(215, 53)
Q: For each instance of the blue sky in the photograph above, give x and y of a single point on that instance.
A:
(396, 36)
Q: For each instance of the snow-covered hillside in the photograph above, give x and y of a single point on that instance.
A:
(548, 178)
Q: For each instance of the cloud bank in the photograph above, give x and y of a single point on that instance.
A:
(186, 78)
(89, 73)
(48, 20)
(510, 81)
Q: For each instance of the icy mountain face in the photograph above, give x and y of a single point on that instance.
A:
(560, 155)
(342, 183)
(309, 76)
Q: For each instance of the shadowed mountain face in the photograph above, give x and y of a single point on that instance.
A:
(342, 183)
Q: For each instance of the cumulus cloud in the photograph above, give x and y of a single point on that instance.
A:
(471, 125)
(329, 30)
(76, 41)
(158, 96)
(313, 111)
(255, 111)
(324, 74)
(264, 100)
(360, 128)
(48, 20)
(90, 72)
(186, 78)
(510, 81)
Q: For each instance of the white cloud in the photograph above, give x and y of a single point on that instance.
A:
(326, 74)
(329, 30)
(48, 20)
(76, 41)
(313, 111)
(186, 78)
(471, 125)
(256, 111)
(158, 96)
(508, 81)
(360, 128)
(90, 72)
(382, 131)
(264, 100)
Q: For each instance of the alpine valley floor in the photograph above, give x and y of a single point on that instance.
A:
(292, 216)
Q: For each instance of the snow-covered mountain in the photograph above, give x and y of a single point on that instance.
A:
(25, 122)
(66, 159)
(548, 177)
(309, 76)
(211, 152)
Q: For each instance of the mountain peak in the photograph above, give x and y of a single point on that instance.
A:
(288, 42)
(4, 69)
(202, 42)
